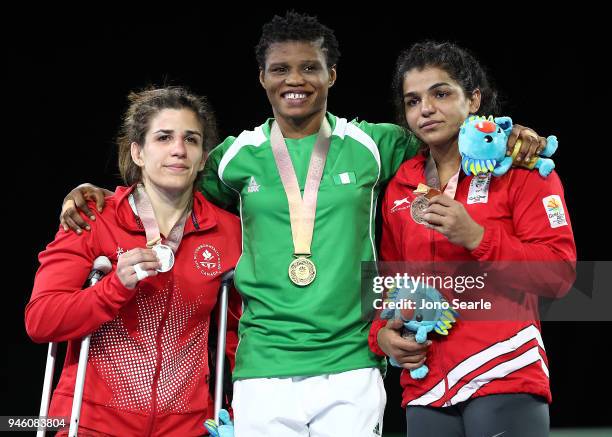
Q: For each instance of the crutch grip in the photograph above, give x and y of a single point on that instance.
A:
(102, 266)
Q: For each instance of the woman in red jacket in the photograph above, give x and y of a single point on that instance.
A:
(147, 372)
(485, 378)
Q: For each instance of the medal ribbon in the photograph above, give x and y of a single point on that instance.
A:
(141, 202)
(433, 180)
(301, 211)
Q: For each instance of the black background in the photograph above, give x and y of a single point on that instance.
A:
(70, 71)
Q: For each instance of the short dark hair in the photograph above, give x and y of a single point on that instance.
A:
(297, 27)
(146, 104)
(460, 65)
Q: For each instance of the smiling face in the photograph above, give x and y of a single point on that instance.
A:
(296, 79)
(172, 153)
(435, 105)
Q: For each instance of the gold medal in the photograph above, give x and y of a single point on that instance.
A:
(302, 271)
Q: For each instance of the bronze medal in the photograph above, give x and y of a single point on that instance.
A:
(417, 207)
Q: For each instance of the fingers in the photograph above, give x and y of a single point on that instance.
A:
(530, 142)
(438, 228)
(436, 213)
(543, 142)
(130, 275)
(140, 273)
(71, 219)
(412, 366)
(411, 356)
(433, 220)
(98, 196)
(81, 203)
(409, 346)
(145, 259)
(436, 216)
(63, 218)
(539, 145)
(73, 225)
(437, 209)
(411, 359)
(138, 256)
(135, 265)
(441, 199)
(150, 266)
(406, 351)
(516, 130)
(395, 324)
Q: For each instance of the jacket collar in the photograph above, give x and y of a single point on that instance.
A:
(203, 216)
(332, 119)
(412, 172)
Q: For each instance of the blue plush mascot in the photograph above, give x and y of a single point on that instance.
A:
(482, 144)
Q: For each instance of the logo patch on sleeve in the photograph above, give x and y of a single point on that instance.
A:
(554, 211)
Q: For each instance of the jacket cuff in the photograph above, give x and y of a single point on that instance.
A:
(377, 325)
(120, 294)
(483, 251)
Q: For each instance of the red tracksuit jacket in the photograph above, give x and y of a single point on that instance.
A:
(480, 358)
(147, 372)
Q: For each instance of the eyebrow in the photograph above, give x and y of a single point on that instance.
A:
(169, 131)
(437, 85)
(283, 63)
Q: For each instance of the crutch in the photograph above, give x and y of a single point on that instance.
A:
(226, 282)
(100, 267)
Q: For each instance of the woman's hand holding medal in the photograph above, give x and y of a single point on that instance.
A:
(136, 265)
(449, 217)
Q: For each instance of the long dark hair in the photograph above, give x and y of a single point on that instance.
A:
(460, 65)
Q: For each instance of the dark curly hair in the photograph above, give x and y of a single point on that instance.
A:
(144, 106)
(460, 65)
(297, 27)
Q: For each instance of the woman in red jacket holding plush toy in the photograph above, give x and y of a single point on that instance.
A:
(486, 377)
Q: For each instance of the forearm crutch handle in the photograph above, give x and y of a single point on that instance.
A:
(226, 282)
(101, 267)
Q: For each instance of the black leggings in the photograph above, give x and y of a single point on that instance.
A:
(503, 415)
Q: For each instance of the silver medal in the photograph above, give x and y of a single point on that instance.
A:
(166, 257)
